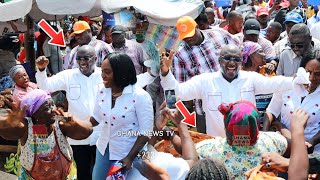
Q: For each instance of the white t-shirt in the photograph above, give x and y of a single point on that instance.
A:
(177, 168)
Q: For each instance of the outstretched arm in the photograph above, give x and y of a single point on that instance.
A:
(13, 126)
(299, 165)
(73, 127)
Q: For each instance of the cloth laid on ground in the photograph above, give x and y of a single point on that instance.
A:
(257, 173)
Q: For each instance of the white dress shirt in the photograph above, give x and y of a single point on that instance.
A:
(132, 112)
(214, 89)
(285, 103)
(81, 93)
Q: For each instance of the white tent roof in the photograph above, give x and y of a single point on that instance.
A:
(165, 12)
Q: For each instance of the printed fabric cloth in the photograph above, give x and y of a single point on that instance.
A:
(239, 159)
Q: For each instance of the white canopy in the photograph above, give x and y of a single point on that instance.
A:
(14, 9)
(165, 12)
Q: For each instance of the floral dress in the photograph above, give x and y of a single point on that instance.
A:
(239, 159)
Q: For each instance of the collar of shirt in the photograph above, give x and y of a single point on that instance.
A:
(93, 41)
(240, 76)
(126, 46)
(97, 70)
(128, 89)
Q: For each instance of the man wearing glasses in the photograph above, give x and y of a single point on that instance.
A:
(227, 85)
(300, 43)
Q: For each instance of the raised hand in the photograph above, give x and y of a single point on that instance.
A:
(166, 62)
(162, 117)
(275, 161)
(65, 119)
(299, 120)
(42, 62)
(16, 116)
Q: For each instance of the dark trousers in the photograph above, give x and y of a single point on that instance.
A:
(201, 123)
(84, 156)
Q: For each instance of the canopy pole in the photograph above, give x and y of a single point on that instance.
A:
(58, 59)
(29, 45)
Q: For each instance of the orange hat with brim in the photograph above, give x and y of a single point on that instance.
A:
(79, 27)
(186, 27)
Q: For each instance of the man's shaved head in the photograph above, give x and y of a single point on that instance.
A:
(87, 49)
(230, 48)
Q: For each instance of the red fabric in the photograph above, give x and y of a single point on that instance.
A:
(22, 56)
(52, 166)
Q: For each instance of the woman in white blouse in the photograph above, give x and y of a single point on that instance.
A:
(126, 111)
(308, 99)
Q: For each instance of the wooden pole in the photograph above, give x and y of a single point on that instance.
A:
(29, 45)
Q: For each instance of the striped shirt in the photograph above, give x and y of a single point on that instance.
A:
(102, 50)
(191, 61)
(135, 51)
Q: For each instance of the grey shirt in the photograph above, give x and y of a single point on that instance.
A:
(289, 63)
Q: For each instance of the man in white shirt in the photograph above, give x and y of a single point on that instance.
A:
(228, 85)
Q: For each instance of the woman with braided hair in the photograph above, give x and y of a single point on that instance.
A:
(208, 168)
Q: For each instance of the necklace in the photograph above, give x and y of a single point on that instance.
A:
(115, 95)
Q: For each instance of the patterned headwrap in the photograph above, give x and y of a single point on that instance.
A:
(14, 70)
(34, 99)
(241, 123)
(249, 48)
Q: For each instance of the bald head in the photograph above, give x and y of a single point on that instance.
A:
(230, 49)
(233, 15)
(300, 29)
(87, 50)
(209, 10)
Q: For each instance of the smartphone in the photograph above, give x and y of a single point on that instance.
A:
(170, 97)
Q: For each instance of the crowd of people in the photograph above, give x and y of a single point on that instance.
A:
(251, 72)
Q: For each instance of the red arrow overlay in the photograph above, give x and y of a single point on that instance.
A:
(56, 38)
(189, 119)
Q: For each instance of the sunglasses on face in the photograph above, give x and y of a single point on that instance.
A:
(230, 58)
(296, 45)
(86, 58)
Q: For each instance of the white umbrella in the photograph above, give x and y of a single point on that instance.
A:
(37, 14)
(63, 7)
(14, 9)
(164, 12)
(48, 9)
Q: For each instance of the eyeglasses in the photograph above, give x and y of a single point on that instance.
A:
(230, 58)
(86, 58)
(296, 45)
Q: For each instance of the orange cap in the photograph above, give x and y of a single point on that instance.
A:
(186, 27)
(79, 27)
